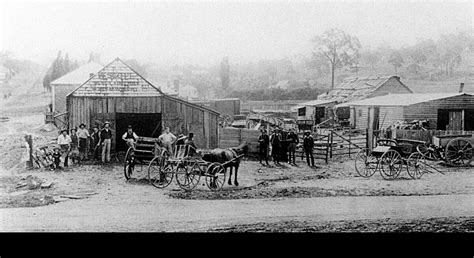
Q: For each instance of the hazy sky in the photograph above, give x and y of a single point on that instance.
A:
(203, 32)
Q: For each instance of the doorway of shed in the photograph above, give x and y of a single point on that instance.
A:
(144, 124)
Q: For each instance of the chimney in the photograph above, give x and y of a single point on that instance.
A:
(461, 87)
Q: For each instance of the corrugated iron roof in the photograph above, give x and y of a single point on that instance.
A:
(80, 75)
(401, 99)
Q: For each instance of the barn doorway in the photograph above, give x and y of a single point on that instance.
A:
(144, 124)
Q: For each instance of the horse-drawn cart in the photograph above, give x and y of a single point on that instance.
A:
(187, 170)
(456, 150)
(139, 156)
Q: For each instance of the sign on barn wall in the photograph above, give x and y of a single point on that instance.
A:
(115, 80)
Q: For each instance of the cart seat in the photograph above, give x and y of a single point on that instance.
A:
(381, 149)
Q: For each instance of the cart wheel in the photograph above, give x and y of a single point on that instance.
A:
(416, 165)
(160, 172)
(365, 165)
(428, 152)
(459, 152)
(390, 164)
(129, 163)
(215, 178)
(187, 175)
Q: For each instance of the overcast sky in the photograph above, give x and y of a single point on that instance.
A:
(203, 32)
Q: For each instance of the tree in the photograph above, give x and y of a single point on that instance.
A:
(339, 48)
(225, 73)
(396, 60)
(371, 57)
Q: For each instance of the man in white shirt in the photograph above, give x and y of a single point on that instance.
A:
(64, 141)
(167, 139)
(83, 135)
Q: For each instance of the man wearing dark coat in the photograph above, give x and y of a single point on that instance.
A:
(264, 141)
(293, 138)
(275, 141)
(308, 145)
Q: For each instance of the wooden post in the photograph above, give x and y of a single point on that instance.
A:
(370, 129)
(330, 147)
(29, 142)
(350, 143)
(327, 150)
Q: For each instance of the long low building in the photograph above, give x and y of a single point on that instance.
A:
(445, 111)
(121, 96)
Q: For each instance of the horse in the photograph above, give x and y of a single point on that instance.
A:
(225, 155)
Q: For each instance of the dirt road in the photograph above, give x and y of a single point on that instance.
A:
(158, 213)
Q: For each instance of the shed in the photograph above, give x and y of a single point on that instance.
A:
(314, 112)
(445, 111)
(228, 106)
(352, 89)
(68, 82)
(120, 95)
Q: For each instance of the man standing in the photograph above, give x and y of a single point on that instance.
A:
(167, 139)
(264, 142)
(64, 141)
(275, 140)
(95, 137)
(83, 135)
(130, 137)
(308, 145)
(292, 146)
(106, 140)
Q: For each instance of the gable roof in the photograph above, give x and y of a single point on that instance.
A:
(117, 79)
(402, 99)
(80, 75)
(355, 88)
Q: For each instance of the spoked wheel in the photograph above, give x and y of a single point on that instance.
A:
(129, 163)
(215, 176)
(187, 175)
(416, 165)
(459, 152)
(160, 172)
(390, 164)
(428, 152)
(365, 165)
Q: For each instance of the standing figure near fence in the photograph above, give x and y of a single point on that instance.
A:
(83, 135)
(130, 137)
(74, 154)
(64, 141)
(264, 141)
(275, 140)
(308, 146)
(293, 138)
(167, 139)
(106, 141)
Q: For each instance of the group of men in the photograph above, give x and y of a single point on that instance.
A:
(74, 145)
(277, 148)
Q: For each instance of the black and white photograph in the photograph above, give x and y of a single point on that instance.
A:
(237, 116)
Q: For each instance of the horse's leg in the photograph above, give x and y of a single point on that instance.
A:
(235, 177)
(230, 175)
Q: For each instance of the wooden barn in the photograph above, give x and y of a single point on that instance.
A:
(351, 89)
(229, 106)
(68, 82)
(445, 111)
(121, 96)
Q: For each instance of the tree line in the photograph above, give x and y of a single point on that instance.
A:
(60, 66)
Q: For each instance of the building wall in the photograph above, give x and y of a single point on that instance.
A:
(429, 110)
(387, 116)
(59, 92)
(179, 116)
(392, 86)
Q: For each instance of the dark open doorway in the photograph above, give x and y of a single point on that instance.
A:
(144, 124)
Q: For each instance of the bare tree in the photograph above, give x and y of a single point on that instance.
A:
(339, 48)
(396, 60)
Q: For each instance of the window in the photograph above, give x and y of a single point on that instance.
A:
(360, 112)
(302, 111)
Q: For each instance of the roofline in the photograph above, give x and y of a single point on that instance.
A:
(398, 79)
(162, 93)
(405, 105)
(53, 82)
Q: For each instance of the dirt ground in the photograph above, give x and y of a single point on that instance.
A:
(101, 189)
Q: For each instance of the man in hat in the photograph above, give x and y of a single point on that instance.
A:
(308, 145)
(130, 137)
(106, 140)
(275, 140)
(83, 135)
(292, 146)
(95, 139)
(64, 141)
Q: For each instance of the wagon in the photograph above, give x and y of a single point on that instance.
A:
(139, 156)
(389, 158)
(456, 150)
(187, 170)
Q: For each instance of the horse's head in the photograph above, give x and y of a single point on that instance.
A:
(243, 148)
